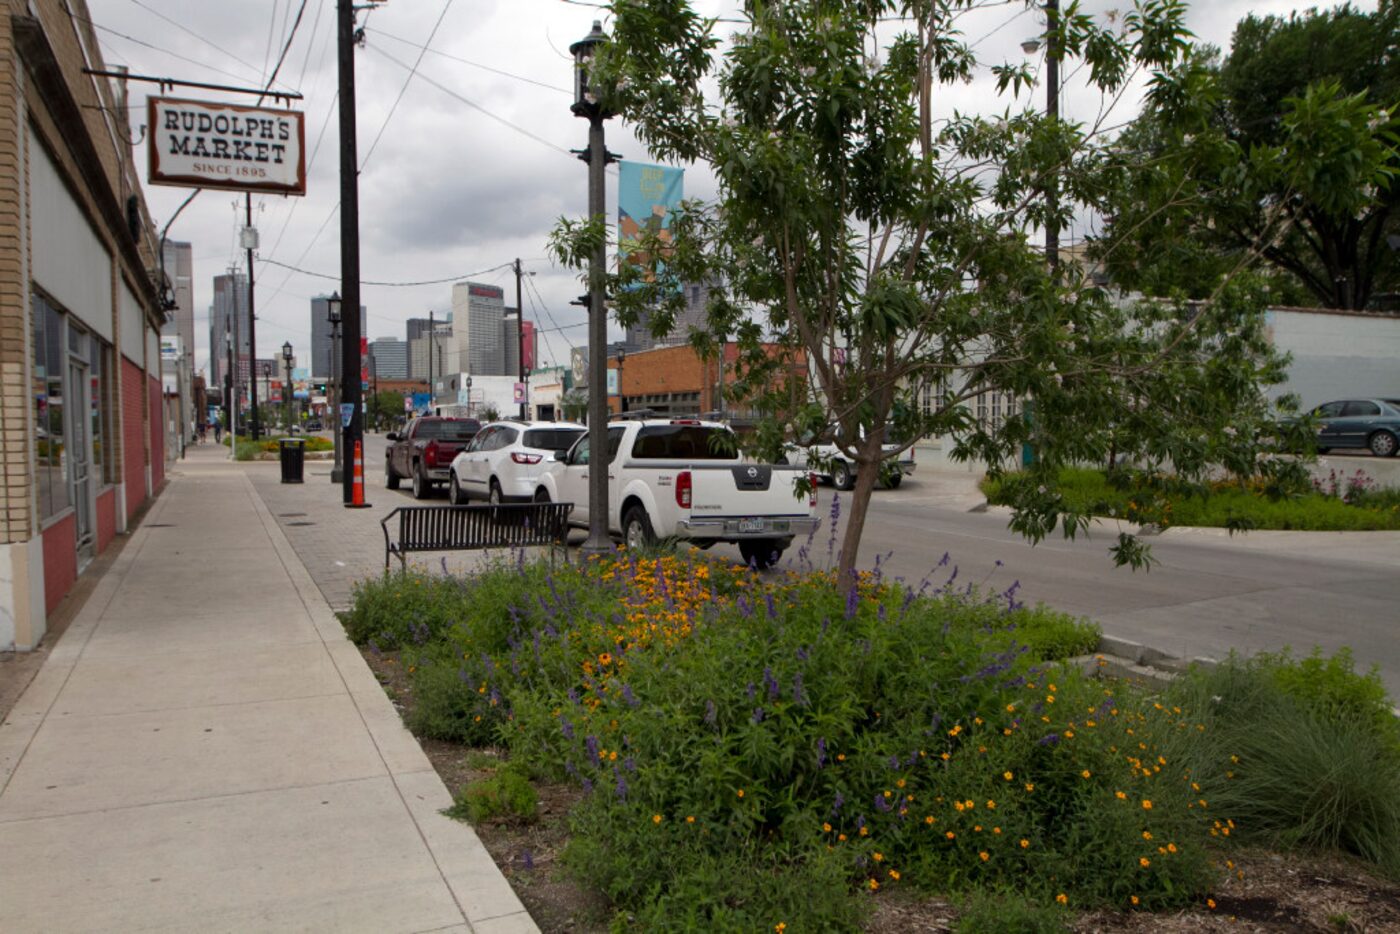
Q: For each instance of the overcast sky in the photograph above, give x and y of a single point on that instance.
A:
(465, 167)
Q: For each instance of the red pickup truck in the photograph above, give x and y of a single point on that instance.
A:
(423, 451)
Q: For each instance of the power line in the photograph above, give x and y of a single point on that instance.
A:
(322, 275)
(406, 82)
(156, 48)
(467, 61)
(475, 106)
(286, 47)
(185, 29)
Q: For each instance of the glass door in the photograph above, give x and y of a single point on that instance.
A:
(80, 456)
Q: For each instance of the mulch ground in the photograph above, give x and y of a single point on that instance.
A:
(1264, 891)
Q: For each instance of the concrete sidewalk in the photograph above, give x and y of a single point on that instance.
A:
(204, 750)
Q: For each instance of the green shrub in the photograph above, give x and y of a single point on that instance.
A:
(1141, 497)
(1305, 760)
(399, 609)
(1006, 912)
(507, 794)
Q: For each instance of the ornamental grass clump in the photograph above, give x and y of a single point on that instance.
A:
(1312, 754)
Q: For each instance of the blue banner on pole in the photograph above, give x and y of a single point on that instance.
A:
(646, 196)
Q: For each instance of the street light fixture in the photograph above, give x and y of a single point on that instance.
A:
(287, 360)
(332, 385)
(587, 104)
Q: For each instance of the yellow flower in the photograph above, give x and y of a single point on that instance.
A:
(865, 831)
(780, 927)
(1085, 773)
(1147, 835)
(874, 886)
(1133, 899)
(1120, 795)
(894, 874)
(991, 805)
(1007, 775)
(741, 792)
(985, 855)
(1144, 862)
(1030, 786)
(1025, 843)
(1171, 847)
(1146, 804)
(877, 856)
(826, 828)
(950, 835)
(690, 819)
(1062, 898)
(1210, 903)
(656, 818)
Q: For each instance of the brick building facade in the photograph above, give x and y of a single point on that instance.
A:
(81, 437)
(675, 381)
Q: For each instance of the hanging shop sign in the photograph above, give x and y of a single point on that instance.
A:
(200, 144)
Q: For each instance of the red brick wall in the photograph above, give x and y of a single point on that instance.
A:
(60, 559)
(106, 518)
(133, 440)
(157, 434)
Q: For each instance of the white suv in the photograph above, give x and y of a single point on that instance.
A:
(504, 461)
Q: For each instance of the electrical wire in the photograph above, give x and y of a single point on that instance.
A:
(156, 48)
(467, 61)
(185, 29)
(406, 82)
(322, 275)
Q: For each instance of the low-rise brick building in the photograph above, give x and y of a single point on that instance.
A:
(81, 409)
(676, 381)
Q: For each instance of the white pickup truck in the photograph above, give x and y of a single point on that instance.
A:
(666, 478)
(830, 464)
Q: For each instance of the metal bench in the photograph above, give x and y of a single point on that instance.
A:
(471, 528)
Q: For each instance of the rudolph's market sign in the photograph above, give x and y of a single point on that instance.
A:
(197, 144)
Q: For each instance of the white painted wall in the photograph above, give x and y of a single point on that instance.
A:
(1337, 356)
(133, 327)
(69, 261)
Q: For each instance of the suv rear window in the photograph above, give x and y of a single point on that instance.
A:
(448, 429)
(552, 439)
(684, 442)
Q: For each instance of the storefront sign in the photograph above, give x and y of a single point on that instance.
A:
(200, 144)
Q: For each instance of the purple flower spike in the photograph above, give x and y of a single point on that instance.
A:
(1049, 739)
(771, 683)
(821, 752)
(836, 805)
(757, 715)
(710, 712)
(880, 803)
(527, 860)
(567, 727)
(629, 697)
(591, 744)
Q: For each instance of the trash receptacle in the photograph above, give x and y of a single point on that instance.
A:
(292, 453)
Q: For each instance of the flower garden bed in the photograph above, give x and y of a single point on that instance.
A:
(722, 750)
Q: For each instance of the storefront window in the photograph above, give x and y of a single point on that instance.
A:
(50, 464)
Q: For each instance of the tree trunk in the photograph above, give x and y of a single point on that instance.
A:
(867, 475)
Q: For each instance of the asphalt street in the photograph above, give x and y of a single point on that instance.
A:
(1208, 593)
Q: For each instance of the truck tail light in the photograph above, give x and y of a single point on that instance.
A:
(812, 493)
(683, 489)
(520, 458)
(430, 454)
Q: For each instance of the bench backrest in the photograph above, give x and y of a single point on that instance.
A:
(435, 528)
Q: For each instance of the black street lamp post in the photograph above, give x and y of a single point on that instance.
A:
(621, 395)
(525, 378)
(332, 409)
(287, 397)
(587, 105)
(469, 395)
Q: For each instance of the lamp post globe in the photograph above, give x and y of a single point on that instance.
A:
(588, 104)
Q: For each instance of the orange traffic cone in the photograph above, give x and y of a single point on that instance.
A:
(357, 482)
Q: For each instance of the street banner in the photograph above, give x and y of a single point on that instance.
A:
(519, 393)
(646, 196)
(528, 342)
(203, 144)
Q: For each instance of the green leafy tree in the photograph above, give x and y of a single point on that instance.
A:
(894, 251)
(1285, 155)
(384, 407)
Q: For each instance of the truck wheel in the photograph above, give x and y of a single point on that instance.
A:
(421, 484)
(391, 479)
(542, 495)
(636, 528)
(762, 553)
(841, 476)
(455, 494)
(493, 496)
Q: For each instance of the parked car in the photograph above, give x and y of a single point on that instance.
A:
(1359, 423)
(672, 478)
(314, 425)
(504, 461)
(824, 458)
(423, 451)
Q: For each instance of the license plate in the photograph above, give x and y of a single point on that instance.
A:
(750, 525)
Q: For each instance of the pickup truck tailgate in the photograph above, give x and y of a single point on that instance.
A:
(744, 491)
